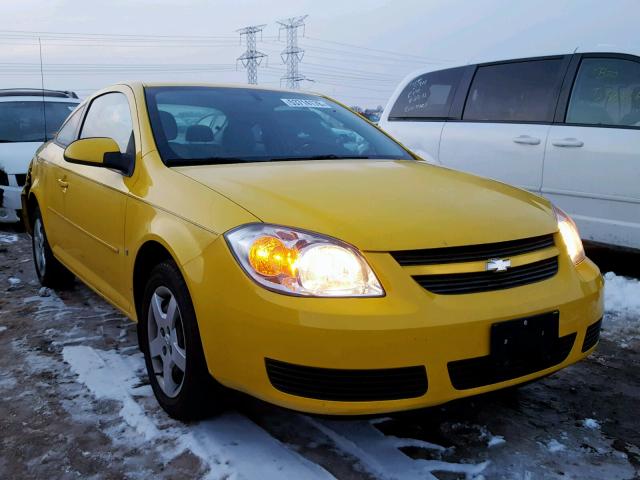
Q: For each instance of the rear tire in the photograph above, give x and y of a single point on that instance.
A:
(169, 337)
(51, 273)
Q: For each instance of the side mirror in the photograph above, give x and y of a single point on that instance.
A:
(97, 152)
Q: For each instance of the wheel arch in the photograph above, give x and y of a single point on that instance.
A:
(152, 252)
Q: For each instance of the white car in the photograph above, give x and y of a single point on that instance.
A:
(566, 126)
(23, 116)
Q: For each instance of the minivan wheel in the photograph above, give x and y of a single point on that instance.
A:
(51, 273)
(170, 339)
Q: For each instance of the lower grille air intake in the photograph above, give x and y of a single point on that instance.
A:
(347, 385)
(592, 336)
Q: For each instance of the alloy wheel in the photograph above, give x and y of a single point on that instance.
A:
(38, 246)
(167, 348)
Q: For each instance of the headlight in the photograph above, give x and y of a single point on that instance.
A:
(570, 236)
(303, 263)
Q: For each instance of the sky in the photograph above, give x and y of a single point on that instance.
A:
(356, 51)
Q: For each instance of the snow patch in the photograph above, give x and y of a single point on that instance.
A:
(621, 294)
(590, 423)
(622, 309)
(110, 382)
(44, 292)
(495, 440)
(14, 281)
(555, 446)
(2, 328)
(379, 455)
(231, 446)
(6, 238)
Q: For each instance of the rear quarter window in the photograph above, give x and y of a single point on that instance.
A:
(427, 96)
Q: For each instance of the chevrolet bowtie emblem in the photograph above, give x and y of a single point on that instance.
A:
(498, 265)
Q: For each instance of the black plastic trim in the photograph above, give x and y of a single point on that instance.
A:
(477, 282)
(344, 385)
(487, 370)
(592, 336)
(470, 253)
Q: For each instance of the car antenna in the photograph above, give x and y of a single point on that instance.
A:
(44, 107)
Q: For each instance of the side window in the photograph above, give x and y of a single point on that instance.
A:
(517, 92)
(109, 116)
(606, 92)
(69, 131)
(428, 96)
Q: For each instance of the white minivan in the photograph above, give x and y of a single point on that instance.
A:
(566, 126)
(28, 117)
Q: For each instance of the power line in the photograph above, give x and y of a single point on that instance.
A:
(251, 58)
(387, 52)
(292, 54)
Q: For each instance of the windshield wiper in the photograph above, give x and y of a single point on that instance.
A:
(184, 162)
(330, 156)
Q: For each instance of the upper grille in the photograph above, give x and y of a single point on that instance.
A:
(472, 253)
(347, 385)
(456, 283)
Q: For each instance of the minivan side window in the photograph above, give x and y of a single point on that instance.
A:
(109, 116)
(69, 131)
(515, 92)
(427, 96)
(606, 92)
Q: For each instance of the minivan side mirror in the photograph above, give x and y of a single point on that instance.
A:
(97, 152)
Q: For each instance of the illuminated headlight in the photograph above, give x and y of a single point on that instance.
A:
(570, 236)
(302, 263)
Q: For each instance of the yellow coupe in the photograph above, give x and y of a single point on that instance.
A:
(276, 243)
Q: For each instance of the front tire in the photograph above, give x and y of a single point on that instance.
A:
(51, 273)
(170, 339)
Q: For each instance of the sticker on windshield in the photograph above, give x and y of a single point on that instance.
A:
(305, 103)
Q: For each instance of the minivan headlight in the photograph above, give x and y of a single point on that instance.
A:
(298, 262)
(570, 236)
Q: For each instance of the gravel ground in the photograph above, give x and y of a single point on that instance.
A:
(76, 403)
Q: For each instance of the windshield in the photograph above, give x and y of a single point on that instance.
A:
(23, 121)
(200, 125)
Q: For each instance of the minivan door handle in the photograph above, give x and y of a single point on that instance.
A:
(63, 184)
(527, 140)
(567, 142)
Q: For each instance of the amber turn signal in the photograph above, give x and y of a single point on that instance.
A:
(270, 257)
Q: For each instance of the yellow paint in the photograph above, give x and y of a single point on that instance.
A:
(99, 222)
(90, 150)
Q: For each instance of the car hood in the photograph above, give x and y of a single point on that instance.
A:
(15, 157)
(381, 205)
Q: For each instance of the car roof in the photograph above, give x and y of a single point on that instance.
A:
(37, 92)
(141, 84)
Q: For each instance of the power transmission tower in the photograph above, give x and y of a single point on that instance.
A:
(251, 58)
(292, 54)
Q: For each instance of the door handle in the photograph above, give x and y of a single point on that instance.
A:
(63, 184)
(527, 140)
(567, 142)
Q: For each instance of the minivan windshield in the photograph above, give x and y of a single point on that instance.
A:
(24, 121)
(213, 125)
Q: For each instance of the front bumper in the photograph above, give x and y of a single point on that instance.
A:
(242, 325)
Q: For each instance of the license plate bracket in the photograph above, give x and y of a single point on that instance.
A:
(517, 340)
